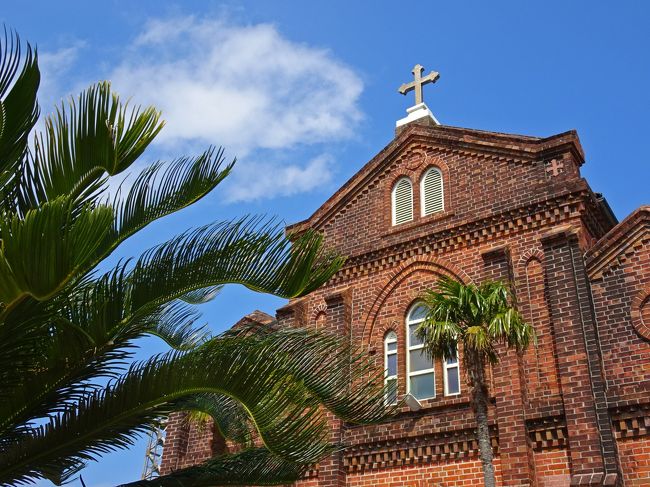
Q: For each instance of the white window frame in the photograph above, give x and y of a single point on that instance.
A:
(423, 206)
(391, 337)
(394, 201)
(410, 348)
(446, 367)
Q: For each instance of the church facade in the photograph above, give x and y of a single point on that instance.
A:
(475, 205)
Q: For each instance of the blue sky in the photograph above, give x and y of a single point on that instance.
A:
(305, 93)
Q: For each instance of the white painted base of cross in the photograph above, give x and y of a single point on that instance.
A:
(417, 112)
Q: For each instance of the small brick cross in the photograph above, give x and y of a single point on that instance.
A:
(554, 167)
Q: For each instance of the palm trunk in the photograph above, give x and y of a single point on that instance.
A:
(479, 395)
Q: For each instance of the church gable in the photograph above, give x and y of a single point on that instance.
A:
(434, 177)
(475, 205)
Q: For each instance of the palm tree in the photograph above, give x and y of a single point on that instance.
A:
(69, 389)
(480, 319)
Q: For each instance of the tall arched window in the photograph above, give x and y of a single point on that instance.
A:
(421, 381)
(402, 201)
(433, 199)
(390, 365)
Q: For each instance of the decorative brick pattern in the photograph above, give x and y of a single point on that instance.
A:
(454, 445)
(631, 421)
(547, 433)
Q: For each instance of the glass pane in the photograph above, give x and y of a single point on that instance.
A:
(453, 381)
(391, 337)
(391, 393)
(419, 361)
(413, 340)
(418, 313)
(391, 347)
(391, 364)
(453, 361)
(422, 386)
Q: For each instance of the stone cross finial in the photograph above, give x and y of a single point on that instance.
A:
(418, 82)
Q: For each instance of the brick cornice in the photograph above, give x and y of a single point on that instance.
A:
(424, 449)
(455, 140)
(631, 421)
(542, 213)
(611, 248)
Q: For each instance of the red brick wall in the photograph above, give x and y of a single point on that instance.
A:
(553, 468)
(620, 286)
(515, 209)
(635, 460)
(454, 473)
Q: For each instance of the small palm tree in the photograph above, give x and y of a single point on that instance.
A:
(479, 319)
(69, 390)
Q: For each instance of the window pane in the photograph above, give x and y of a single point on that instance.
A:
(391, 393)
(391, 365)
(419, 361)
(453, 381)
(413, 340)
(418, 313)
(453, 361)
(391, 347)
(422, 386)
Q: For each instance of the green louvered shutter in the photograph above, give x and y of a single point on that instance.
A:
(432, 192)
(402, 202)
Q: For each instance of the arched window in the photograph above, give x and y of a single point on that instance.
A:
(433, 199)
(421, 381)
(390, 365)
(402, 201)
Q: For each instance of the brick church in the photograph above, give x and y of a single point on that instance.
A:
(475, 205)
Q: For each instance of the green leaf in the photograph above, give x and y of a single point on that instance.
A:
(45, 250)
(18, 114)
(92, 137)
(250, 252)
(280, 378)
(250, 467)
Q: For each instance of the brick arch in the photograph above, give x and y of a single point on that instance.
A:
(640, 312)
(319, 309)
(528, 255)
(415, 264)
(387, 327)
(539, 361)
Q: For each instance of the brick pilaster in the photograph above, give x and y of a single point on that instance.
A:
(177, 435)
(591, 442)
(331, 471)
(517, 465)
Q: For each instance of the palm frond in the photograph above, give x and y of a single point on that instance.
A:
(229, 416)
(175, 323)
(281, 391)
(44, 250)
(250, 252)
(478, 317)
(250, 467)
(93, 136)
(201, 296)
(162, 189)
(94, 332)
(18, 114)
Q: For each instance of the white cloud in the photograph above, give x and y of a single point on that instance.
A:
(54, 66)
(257, 181)
(243, 86)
